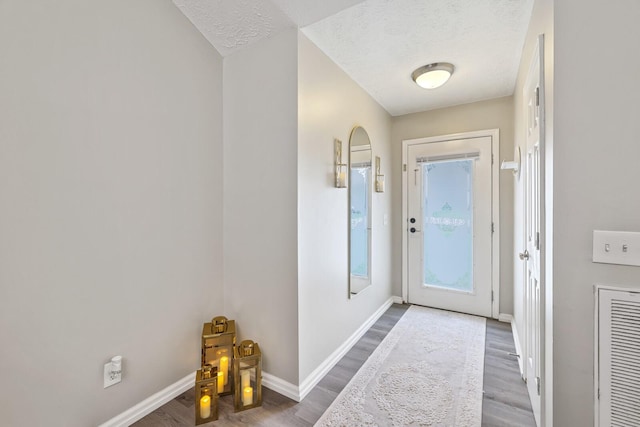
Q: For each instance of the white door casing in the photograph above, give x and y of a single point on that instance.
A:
(474, 150)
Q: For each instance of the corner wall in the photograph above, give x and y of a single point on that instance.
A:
(110, 204)
(260, 199)
(491, 114)
(330, 104)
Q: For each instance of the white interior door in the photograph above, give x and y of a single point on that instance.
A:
(449, 225)
(533, 234)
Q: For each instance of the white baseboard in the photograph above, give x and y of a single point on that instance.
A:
(507, 318)
(314, 378)
(269, 381)
(516, 341)
(281, 386)
(397, 300)
(151, 403)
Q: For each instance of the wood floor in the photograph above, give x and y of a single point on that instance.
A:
(505, 401)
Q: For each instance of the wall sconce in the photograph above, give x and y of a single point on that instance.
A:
(379, 177)
(247, 373)
(218, 342)
(206, 395)
(513, 165)
(340, 168)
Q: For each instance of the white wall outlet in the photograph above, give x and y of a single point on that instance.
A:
(113, 371)
(616, 247)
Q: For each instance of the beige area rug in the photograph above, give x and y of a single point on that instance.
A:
(427, 372)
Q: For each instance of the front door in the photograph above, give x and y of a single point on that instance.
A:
(449, 225)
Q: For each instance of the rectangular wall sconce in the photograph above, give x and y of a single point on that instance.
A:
(379, 177)
(340, 168)
(206, 395)
(247, 373)
(218, 342)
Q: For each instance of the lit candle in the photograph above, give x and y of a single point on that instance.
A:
(224, 368)
(246, 379)
(220, 382)
(205, 407)
(247, 396)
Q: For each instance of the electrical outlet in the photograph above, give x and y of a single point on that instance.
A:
(113, 371)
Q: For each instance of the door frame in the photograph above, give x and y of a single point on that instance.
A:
(494, 134)
(537, 65)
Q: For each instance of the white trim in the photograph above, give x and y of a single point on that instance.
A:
(151, 403)
(596, 354)
(397, 300)
(506, 318)
(516, 342)
(314, 378)
(281, 386)
(494, 134)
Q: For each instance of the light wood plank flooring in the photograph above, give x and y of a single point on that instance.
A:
(505, 401)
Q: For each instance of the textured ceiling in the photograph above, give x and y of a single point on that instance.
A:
(229, 25)
(380, 42)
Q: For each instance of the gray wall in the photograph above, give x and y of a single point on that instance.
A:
(595, 177)
(261, 199)
(330, 105)
(110, 204)
(491, 114)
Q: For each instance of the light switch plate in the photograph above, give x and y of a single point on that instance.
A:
(616, 247)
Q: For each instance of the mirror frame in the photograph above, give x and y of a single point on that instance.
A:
(358, 284)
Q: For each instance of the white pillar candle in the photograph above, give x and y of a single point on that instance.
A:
(220, 383)
(245, 377)
(247, 396)
(205, 407)
(224, 368)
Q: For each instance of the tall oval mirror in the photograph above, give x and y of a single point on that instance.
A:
(359, 211)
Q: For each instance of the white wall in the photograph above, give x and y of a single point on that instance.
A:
(491, 114)
(541, 23)
(596, 172)
(330, 104)
(260, 199)
(110, 204)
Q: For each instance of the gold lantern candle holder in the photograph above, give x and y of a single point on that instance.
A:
(218, 343)
(206, 394)
(247, 373)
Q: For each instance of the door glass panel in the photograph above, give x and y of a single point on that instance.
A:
(359, 181)
(448, 224)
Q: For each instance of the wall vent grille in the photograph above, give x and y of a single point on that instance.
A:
(619, 358)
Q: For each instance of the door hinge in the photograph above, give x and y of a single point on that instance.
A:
(493, 227)
(538, 240)
(404, 167)
(491, 296)
(492, 159)
(537, 96)
(598, 394)
(538, 382)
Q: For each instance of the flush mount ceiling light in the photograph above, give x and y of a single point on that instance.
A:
(433, 75)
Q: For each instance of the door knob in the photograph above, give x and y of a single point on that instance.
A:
(524, 255)
(412, 220)
(412, 229)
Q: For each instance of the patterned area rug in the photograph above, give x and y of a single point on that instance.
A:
(427, 372)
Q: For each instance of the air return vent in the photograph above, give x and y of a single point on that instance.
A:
(618, 358)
